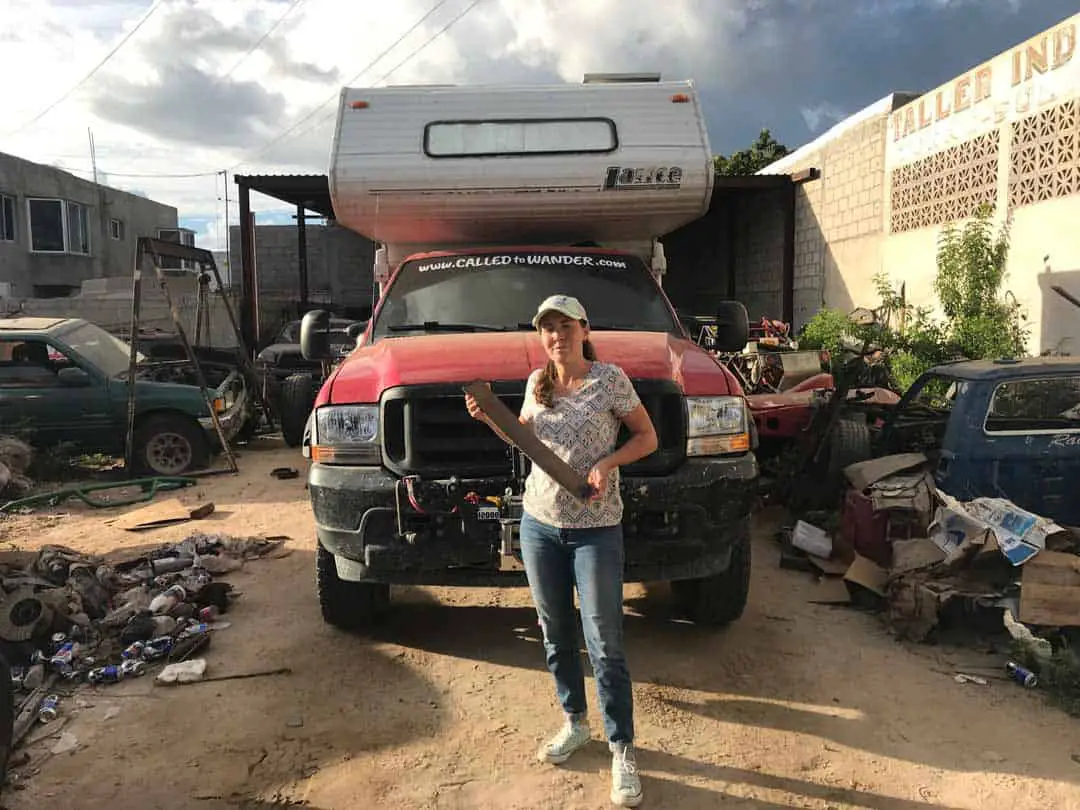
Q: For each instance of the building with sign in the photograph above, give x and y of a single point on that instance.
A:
(1005, 133)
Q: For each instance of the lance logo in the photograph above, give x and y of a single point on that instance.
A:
(620, 178)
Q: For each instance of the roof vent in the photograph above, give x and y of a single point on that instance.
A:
(620, 78)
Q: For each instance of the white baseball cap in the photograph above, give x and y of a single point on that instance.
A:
(563, 304)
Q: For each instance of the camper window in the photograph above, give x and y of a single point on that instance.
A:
(519, 137)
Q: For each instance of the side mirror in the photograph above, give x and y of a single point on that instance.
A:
(315, 335)
(732, 327)
(73, 377)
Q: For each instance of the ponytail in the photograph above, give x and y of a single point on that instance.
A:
(545, 385)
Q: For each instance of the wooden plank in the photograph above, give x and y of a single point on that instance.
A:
(1050, 590)
(540, 454)
(162, 513)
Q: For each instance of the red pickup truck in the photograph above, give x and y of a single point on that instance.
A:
(405, 487)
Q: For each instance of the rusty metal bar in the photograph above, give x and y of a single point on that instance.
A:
(148, 246)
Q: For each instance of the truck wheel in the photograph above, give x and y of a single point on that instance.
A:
(721, 598)
(296, 401)
(170, 444)
(351, 606)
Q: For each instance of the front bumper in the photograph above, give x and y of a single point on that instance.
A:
(677, 526)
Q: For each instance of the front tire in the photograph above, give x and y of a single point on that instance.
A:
(720, 599)
(170, 444)
(354, 607)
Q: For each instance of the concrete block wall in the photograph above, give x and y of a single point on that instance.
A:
(809, 252)
(108, 304)
(839, 221)
(759, 254)
(340, 263)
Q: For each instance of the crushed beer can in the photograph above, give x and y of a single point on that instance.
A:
(1024, 677)
(106, 674)
(133, 667)
(157, 648)
(48, 710)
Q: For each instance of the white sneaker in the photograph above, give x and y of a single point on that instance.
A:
(625, 782)
(573, 735)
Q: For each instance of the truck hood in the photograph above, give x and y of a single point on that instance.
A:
(461, 358)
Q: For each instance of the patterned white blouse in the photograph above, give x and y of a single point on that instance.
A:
(580, 428)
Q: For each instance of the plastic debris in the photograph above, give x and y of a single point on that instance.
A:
(183, 672)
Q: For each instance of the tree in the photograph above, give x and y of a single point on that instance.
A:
(765, 150)
(971, 260)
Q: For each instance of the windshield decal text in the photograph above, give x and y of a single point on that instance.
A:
(523, 259)
(1066, 440)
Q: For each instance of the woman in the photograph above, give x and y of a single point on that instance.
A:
(575, 405)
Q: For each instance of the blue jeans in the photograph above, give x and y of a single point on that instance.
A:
(555, 560)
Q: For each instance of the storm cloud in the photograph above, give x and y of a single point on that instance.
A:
(795, 66)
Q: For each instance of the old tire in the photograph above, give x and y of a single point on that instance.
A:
(170, 444)
(352, 606)
(719, 599)
(849, 444)
(295, 403)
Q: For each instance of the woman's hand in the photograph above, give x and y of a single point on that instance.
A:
(473, 408)
(598, 478)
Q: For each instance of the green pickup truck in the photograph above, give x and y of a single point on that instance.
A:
(65, 380)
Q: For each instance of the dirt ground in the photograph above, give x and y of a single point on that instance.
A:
(797, 705)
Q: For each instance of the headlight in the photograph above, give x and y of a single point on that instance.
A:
(716, 426)
(346, 434)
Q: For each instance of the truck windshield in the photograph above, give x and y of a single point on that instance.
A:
(107, 352)
(500, 291)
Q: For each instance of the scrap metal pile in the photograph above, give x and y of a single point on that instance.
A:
(69, 617)
(15, 457)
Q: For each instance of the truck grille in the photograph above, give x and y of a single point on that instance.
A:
(427, 431)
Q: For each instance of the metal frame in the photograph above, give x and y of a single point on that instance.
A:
(154, 249)
(312, 192)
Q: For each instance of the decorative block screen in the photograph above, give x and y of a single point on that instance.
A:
(945, 186)
(1045, 159)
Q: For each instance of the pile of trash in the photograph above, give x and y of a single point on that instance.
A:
(15, 458)
(69, 617)
(928, 560)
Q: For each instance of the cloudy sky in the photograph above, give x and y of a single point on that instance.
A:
(176, 91)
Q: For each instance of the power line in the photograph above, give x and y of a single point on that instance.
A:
(89, 75)
(283, 135)
(400, 64)
(292, 7)
(146, 176)
(437, 34)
